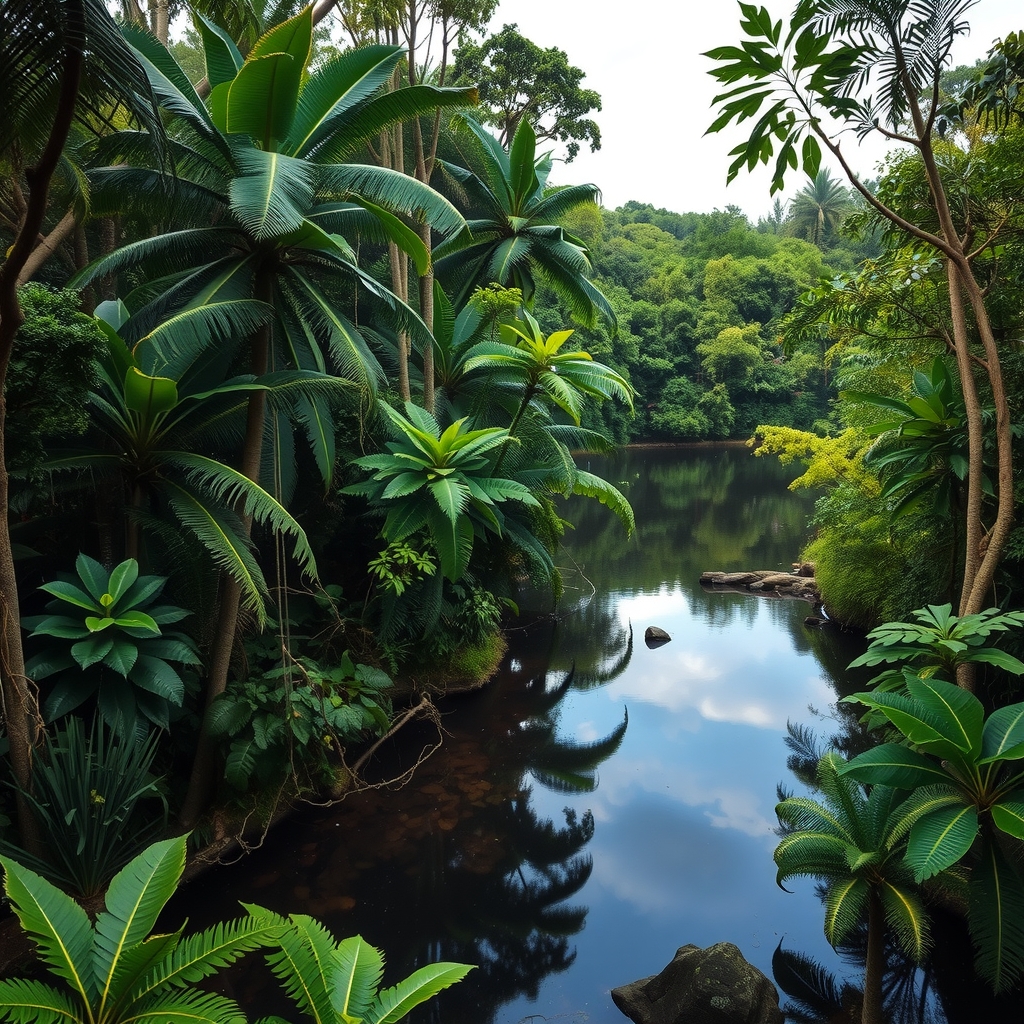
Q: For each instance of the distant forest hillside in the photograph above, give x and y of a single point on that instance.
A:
(698, 299)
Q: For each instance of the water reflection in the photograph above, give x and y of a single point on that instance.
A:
(548, 809)
(458, 865)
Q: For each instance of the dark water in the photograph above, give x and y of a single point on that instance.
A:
(560, 850)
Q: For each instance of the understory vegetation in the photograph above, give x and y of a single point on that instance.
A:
(302, 336)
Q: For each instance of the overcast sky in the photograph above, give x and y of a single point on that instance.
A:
(644, 58)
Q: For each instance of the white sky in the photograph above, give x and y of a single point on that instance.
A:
(644, 58)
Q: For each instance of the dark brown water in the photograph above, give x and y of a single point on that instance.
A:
(558, 848)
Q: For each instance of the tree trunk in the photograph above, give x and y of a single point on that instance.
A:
(874, 968)
(21, 710)
(427, 313)
(203, 780)
(47, 247)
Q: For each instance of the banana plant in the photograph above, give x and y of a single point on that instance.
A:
(966, 798)
(111, 970)
(441, 482)
(334, 982)
(854, 844)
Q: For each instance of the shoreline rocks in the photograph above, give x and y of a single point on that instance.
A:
(798, 585)
(716, 985)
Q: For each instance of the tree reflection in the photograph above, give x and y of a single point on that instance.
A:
(458, 864)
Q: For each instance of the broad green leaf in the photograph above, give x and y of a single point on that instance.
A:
(149, 396)
(93, 575)
(1008, 815)
(358, 968)
(137, 620)
(92, 651)
(1003, 736)
(223, 60)
(958, 713)
(59, 926)
(891, 764)
(261, 99)
(122, 577)
(940, 839)
(72, 594)
(294, 37)
(923, 726)
(133, 902)
(121, 657)
(394, 1003)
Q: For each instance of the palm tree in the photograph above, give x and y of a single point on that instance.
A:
(58, 61)
(258, 169)
(514, 230)
(158, 427)
(855, 844)
(816, 212)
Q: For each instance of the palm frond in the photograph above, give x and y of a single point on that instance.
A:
(234, 489)
(222, 534)
(399, 193)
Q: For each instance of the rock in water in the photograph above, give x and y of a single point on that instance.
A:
(655, 636)
(702, 986)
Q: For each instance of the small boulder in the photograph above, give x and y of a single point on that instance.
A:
(655, 636)
(702, 986)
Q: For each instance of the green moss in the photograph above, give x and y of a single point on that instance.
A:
(466, 668)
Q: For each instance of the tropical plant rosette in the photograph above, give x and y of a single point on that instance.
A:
(967, 798)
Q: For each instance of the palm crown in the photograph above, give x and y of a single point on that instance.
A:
(258, 169)
(515, 231)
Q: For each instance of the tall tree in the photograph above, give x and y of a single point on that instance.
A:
(428, 31)
(875, 66)
(517, 80)
(56, 61)
(260, 169)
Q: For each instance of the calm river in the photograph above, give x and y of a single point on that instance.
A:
(560, 848)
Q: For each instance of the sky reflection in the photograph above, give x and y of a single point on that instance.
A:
(685, 809)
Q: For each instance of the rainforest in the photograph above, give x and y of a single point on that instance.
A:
(358, 471)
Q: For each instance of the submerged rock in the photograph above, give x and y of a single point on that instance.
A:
(655, 636)
(702, 986)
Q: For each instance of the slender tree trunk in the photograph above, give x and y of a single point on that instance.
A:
(427, 314)
(20, 708)
(983, 550)
(205, 765)
(874, 968)
(47, 247)
(159, 19)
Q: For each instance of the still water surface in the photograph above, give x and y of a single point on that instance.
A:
(560, 848)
